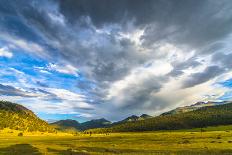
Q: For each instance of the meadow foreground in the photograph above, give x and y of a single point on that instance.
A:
(177, 142)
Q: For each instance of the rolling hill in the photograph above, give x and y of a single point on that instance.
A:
(203, 117)
(18, 117)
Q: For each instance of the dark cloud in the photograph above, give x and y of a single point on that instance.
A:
(193, 23)
(176, 73)
(140, 95)
(204, 76)
(122, 11)
(48, 96)
(12, 91)
(41, 84)
(178, 67)
(215, 47)
(223, 60)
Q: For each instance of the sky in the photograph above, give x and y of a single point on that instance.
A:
(91, 59)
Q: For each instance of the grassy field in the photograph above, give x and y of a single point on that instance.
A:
(166, 142)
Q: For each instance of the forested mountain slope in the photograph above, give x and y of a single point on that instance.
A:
(66, 125)
(193, 107)
(18, 117)
(203, 117)
(73, 124)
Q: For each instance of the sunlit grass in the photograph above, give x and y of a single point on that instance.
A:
(167, 142)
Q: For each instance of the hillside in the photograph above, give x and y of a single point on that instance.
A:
(18, 117)
(202, 117)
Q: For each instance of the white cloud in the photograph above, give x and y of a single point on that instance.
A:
(69, 103)
(28, 46)
(4, 52)
(56, 18)
(86, 115)
(66, 69)
(42, 69)
(66, 94)
(173, 94)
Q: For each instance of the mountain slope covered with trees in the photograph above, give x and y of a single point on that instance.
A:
(193, 107)
(18, 117)
(203, 117)
(69, 124)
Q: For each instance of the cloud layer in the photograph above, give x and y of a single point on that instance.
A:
(119, 57)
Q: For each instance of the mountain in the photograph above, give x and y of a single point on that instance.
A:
(66, 125)
(193, 107)
(144, 116)
(134, 118)
(130, 119)
(18, 117)
(74, 125)
(95, 123)
(220, 114)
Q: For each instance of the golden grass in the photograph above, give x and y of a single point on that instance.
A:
(176, 142)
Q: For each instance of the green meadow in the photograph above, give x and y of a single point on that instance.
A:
(188, 142)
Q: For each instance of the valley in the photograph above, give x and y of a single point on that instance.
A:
(204, 130)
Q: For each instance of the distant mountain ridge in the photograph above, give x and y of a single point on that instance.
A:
(73, 124)
(144, 116)
(218, 114)
(95, 123)
(18, 117)
(66, 125)
(193, 107)
(133, 118)
(15, 116)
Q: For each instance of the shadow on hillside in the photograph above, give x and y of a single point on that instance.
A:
(20, 149)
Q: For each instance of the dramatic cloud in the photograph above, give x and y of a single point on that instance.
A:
(206, 75)
(115, 58)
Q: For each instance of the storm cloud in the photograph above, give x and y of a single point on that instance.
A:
(125, 53)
